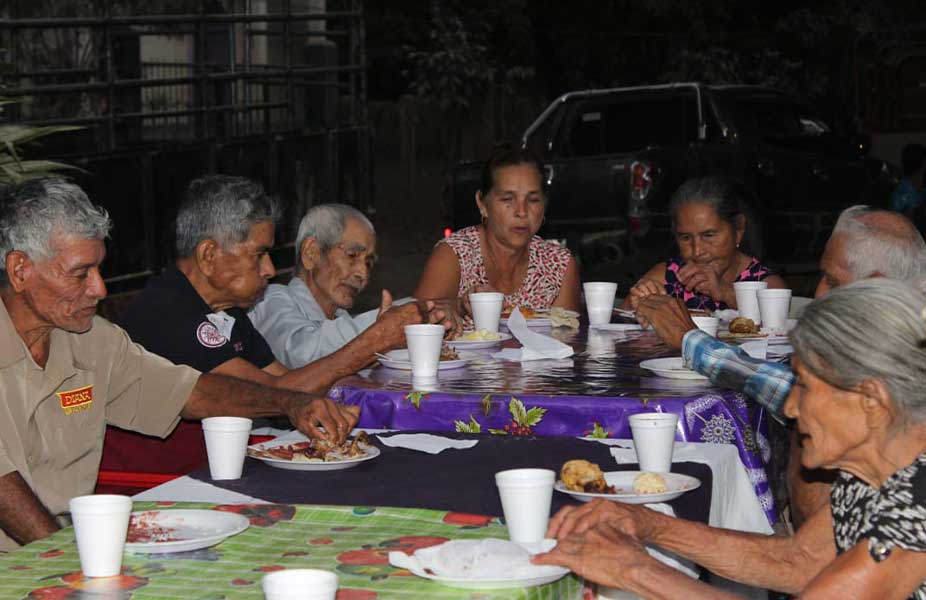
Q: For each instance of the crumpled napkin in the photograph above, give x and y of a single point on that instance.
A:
(489, 559)
(535, 346)
(425, 442)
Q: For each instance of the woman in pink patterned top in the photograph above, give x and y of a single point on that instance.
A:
(503, 253)
(710, 226)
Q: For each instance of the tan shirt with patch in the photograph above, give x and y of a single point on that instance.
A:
(52, 420)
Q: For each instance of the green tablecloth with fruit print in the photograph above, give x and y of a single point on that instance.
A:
(352, 541)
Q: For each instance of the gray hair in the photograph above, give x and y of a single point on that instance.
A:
(222, 208)
(326, 223)
(34, 213)
(881, 242)
(870, 329)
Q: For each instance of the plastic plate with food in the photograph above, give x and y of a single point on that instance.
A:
(180, 530)
(315, 455)
(620, 486)
(480, 338)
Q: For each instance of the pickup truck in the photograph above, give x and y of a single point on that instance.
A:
(613, 157)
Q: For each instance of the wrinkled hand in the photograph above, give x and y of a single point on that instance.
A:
(337, 419)
(385, 304)
(389, 327)
(635, 521)
(704, 280)
(644, 289)
(447, 313)
(668, 316)
(604, 555)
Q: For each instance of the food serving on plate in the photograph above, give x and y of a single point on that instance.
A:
(560, 317)
(741, 327)
(144, 529)
(316, 450)
(582, 476)
(527, 313)
(649, 483)
(448, 353)
(479, 335)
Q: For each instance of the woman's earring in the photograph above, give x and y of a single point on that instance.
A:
(485, 219)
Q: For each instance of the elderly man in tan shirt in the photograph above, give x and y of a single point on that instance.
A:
(65, 373)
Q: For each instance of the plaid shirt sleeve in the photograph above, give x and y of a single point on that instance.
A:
(726, 365)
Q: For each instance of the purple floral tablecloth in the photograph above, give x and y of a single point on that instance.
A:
(591, 393)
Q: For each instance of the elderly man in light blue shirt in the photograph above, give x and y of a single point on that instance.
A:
(307, 319)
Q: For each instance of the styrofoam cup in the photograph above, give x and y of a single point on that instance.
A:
(226, 445)
(487, 309)
(424, 344)
(599, 301)
(747, 302)
(654, 440)
(707, 324)
(774, 306)
(300, 584)
(101, 522)
(526, 495)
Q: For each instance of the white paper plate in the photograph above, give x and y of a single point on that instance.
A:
(188, 529)
(545, 574)
(677, 483)
(478, 344)
(542, 320)
(398, 359)
(618, 327)
(292, 465)
(671, 368)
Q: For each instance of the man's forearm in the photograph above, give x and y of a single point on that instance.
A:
(750, 558)
(318, 376)
(22, 515)
(220, 395)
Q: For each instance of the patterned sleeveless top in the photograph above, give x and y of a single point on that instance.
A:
(892, 516)
(546, 268)
(755, 271)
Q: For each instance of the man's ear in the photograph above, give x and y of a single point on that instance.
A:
(880, 411)
(206, 253)
(310, 253)
(19, 268)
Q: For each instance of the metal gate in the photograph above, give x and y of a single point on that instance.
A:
(270, 89)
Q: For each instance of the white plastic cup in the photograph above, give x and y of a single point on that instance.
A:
(747, 301)
(526, 495)
(226, 445)
(774, 306)
(424, 344)
(300, 584)
(708, 325)
(654, 440)
(101, 522)
(599, 301)
(487, 309)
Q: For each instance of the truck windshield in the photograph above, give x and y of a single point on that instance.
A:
(629, 122)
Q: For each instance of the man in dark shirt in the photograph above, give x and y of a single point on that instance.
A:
(195, 314)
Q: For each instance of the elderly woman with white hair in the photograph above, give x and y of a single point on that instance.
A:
(860, 408)
(307, 319)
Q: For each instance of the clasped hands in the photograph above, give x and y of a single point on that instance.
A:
(696, 278)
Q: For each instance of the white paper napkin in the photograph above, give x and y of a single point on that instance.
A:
(489, 558)
(535, 346)
(425, 442)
